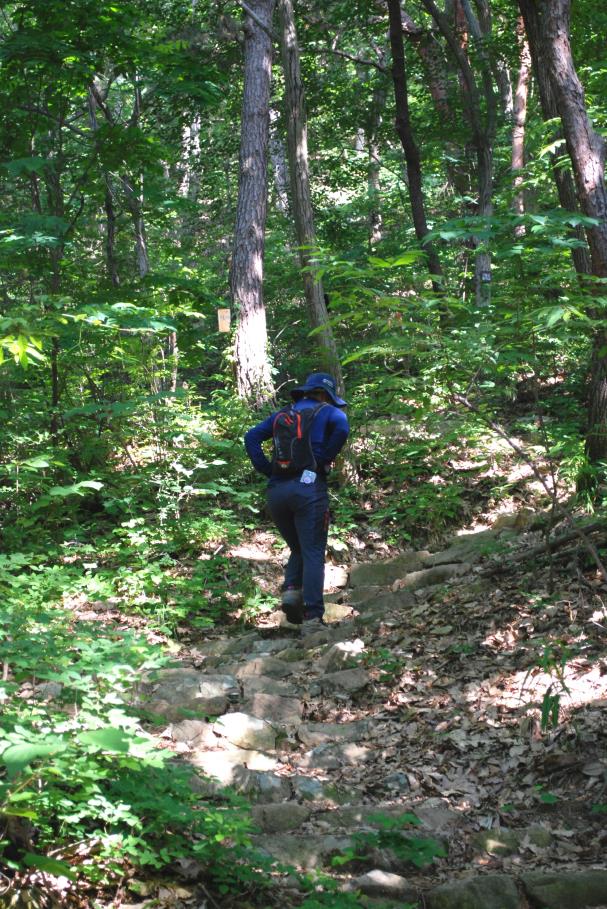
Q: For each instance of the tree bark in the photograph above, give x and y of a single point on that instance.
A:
(483, 125)
(519, 119)
(378, 104)
(407, 139)
(586, 149)
(111, 263)
(563, 179)
(297, 145)
(253, 373)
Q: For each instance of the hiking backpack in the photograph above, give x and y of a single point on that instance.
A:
(291, 433)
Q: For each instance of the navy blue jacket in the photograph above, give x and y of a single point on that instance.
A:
(328, 435)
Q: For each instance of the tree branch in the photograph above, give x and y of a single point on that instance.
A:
(257, 20)
(361, 60)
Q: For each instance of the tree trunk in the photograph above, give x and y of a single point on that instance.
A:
(297, 144)
(483, 125)
(253, 373)
(280, 166)
(134, 204)
(407, 139)
(111, 263)
(587, 152)
(519, 119)
(563, 179)
(378, 104)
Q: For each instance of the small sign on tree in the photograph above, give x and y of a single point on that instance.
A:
(223, 319)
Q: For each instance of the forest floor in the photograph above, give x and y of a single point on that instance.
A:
(448, 725)
(440, 744)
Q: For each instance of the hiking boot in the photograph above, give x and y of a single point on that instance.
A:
(291, 603)
(311, 626)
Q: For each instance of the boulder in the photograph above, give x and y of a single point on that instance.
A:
(507, 842)
(231, 767)
(306, 852)
(246, 731)
(341, 654)
(566, 889)
(252, 684)
(275, 818)
(333, 755)
(265, 666)
(383, 883)
(312, 734)
(492, 891)
(263, 786)
(384, 573)
(348, 680)
(279, 711)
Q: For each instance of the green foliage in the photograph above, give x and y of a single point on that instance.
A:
(417, 851)
(75, 754)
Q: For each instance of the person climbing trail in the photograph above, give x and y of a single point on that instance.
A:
(307, 437)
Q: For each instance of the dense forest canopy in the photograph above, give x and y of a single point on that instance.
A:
(410, 195)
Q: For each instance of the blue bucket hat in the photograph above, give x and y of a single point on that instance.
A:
(319, 381)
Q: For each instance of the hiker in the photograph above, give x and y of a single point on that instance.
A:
(307, 435)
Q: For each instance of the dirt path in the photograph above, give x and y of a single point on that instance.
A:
(409, 730)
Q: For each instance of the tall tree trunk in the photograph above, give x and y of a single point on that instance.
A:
(297, 144)
(134, 203)
(407, 139)
(253, 373)
(280, 165)
(111, 262)
(563, 179)
(378, 103)
(519, 119)
(587, 152)
(482, 124)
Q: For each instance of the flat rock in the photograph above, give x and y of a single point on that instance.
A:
(335, 612)
(348, 680)
(279, 711)
(230, 767)
(342, 654)
(252, 684)
(333, 755)
(361, 595)
(246, 731)
(195, 732)
(383, 883)
(312, 734)
(352, 816)
(566, 889)
(372, 611)
(428, 577)
(269, 665)
(264, 786)
(274, 818)
(309, 789)
(492, 891)
(306, 852)
(273, 645)
(507, 842)
(435, 815)
(223, 646)
(335, 576)
(175, 692)
(384, 573)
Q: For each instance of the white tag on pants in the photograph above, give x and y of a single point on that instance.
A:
(308, 476)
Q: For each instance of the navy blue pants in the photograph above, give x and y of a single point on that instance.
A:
(301, 514)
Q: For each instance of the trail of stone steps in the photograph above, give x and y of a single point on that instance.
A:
(300, 727)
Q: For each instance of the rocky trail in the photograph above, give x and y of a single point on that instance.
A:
(411, 748)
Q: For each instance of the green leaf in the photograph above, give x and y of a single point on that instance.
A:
(107, 739)
(50, 865)
(18, 756)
